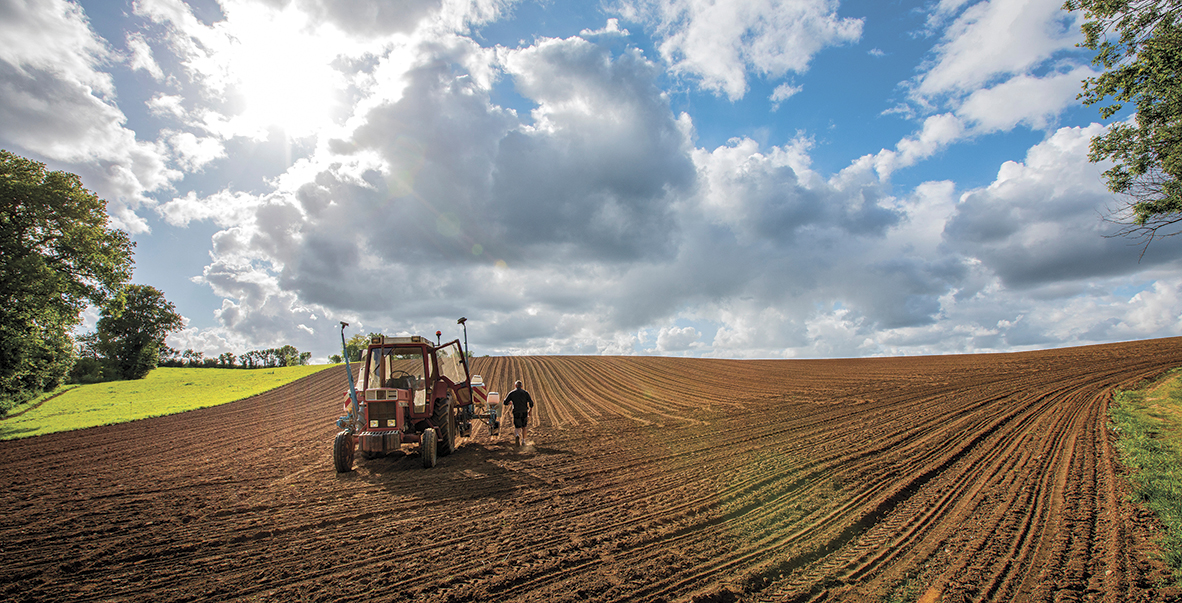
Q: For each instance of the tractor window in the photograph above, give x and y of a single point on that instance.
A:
(399, 368)
(450, 359)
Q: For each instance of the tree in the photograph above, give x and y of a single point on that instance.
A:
(192, 358)
(288, 355)
(57, 254)
(1138, 43)
(133, 327)
(226, 360)
(88, 366)
(169, 357)
(355, 346)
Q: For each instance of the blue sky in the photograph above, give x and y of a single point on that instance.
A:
(754, 178)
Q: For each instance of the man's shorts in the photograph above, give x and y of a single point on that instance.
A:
(519, 420)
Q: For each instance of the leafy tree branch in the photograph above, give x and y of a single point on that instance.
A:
(1138, 44)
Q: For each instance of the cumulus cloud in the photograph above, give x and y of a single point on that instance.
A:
(377, 19)
(1037, 223)
(676, 339)
(1003, 62)
(463, 193)
(193, 152)
(774, 196)
(1157, 310)
(595, 175)
(224, 208)
(54, 36)
(57, 103)
(719, 42)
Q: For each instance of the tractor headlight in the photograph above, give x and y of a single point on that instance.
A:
(373, 423)
(391, 422)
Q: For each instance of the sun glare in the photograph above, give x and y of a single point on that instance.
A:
(283, 68)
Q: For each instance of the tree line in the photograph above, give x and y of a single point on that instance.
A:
(287, 355)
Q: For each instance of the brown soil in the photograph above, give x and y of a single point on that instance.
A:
(952, 478)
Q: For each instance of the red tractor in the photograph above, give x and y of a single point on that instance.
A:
(412, 392)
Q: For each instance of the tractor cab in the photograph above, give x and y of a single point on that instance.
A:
(396, 372)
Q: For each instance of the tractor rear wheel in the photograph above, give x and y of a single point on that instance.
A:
(342, 452)
(445, 423)
(427, 448)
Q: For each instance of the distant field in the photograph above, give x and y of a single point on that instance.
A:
(164, 391)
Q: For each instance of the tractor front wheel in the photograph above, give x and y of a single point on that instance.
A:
(445, 423)
(427, 448)
(342, 452)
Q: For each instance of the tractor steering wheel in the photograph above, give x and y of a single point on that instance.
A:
(400, 375)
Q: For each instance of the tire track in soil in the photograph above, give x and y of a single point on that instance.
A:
(984, 477)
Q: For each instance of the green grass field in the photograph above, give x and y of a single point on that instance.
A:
(164, 391)
(1149, 423)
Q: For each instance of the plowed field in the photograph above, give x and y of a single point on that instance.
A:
(953, 478)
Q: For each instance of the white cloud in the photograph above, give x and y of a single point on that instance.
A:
(774, 195)
(141, 56)
(53, 36)
(166, 104)
(997, 38)
(192, 152)
(782, 93)
(224, 208)
(718, 42)
(612, 28)
(57, 103)
(943, 11)
(444, 202)
(1038, 224)
(1156, 310)
(1034, 101)
(937, 133)
(279, 62)
(677, 339)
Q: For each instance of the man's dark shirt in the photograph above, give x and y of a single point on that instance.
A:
(521, 401)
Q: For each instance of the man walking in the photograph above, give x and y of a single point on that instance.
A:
(522, 404)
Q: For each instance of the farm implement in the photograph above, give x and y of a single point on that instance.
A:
(411, 392)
